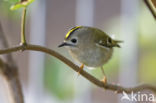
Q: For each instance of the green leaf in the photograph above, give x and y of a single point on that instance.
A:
(22, 3)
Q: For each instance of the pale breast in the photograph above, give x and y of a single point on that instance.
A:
(92, 57)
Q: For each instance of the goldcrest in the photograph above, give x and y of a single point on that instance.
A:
(89, 46)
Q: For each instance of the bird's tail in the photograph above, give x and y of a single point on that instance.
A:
(116, 43)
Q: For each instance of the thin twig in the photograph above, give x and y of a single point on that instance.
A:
(147, 2)
(23, 21)
(113, 87)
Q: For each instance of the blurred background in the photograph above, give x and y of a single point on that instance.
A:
(45, 79)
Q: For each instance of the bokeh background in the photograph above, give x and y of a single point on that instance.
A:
(47, 80)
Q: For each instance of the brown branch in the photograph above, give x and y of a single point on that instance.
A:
(147, 2)
(108, 86)
(10, 71)
(154, 3)
(11, 76)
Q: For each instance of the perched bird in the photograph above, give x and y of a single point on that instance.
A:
(90, 46)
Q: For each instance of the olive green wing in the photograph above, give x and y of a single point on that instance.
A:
(104, 40)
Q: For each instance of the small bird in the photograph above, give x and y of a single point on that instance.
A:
(90, 46)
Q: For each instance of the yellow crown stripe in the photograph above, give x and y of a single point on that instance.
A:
(70, 31)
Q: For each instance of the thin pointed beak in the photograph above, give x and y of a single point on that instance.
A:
(62, 44)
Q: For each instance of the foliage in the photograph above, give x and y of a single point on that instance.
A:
(21, 4)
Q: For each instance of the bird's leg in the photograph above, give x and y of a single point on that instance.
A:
(81, 68)
(104, 80)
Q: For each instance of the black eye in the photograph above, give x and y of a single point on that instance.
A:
(73, 40)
